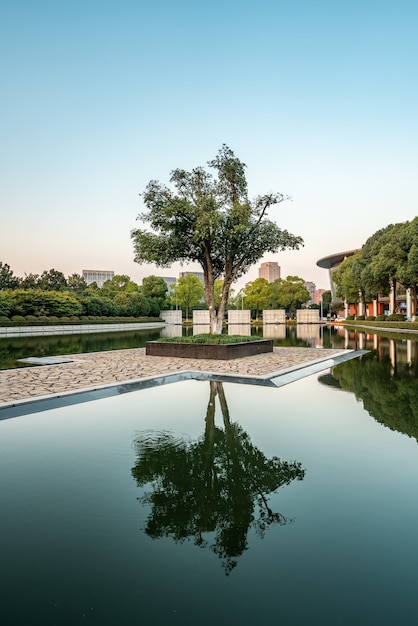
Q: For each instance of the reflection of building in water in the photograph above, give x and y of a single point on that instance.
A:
(274, 331)
(201, 329)
(171, 331)
(239, 329)
(310, 333)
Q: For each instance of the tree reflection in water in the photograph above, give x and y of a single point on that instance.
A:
(386, 384)
(218, 484)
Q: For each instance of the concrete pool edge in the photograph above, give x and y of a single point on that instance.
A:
(273, 380)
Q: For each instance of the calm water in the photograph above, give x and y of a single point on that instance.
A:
(202, 503)
(310, 335)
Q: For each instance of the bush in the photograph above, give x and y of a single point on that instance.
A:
(54, 319)
(64, 319)
(18, 318)
(44, 319)
(360, 317)
(395, 317)
(381, 318)
(370, 318)
(349, 317)
(4, 321)
(31, 318)
(74, 319)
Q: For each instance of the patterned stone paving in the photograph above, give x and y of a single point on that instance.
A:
(96, 369)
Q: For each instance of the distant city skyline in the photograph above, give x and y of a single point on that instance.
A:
(100, 98)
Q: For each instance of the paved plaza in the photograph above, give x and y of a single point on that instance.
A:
(95, 370)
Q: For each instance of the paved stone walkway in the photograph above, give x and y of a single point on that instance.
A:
(95, 369)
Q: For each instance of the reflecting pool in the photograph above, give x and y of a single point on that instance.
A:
(200, 502)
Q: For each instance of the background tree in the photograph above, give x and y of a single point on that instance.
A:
(77, 283)
(7, 279)
(347, 287)
(257, 295)
(52, 280)
(326, 302)
(187, 292)
(119, 283)
(155, 288)
(30, 281)
(291, 294)
(210, 221)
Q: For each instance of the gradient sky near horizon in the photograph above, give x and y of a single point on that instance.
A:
(319, 99)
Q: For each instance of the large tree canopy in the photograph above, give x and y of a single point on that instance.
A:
(210, 220)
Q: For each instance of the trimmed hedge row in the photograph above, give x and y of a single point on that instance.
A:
(43, 320)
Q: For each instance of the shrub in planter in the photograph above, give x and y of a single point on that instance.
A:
(381, 318)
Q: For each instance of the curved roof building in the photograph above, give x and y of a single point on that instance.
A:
(331, 263)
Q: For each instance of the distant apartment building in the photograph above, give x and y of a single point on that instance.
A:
(97, 276)
(311, 287)
(318, 295)
(198, 274)
(269, 270)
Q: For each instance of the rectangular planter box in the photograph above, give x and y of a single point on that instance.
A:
(208, 351)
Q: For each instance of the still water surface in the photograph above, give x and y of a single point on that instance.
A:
(309, 335)
(201, 503)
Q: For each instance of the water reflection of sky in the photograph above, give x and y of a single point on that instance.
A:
(73, 529)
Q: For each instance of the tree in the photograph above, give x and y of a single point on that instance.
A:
(210, 221)
(77, 283)
(119, 283)
(217, 290)
(30, 281)
(187, 291)
(155, 288)
(347, 286)
(326, 302)
(7, 279)
(257, 295)
(290, 294)
(52, 280)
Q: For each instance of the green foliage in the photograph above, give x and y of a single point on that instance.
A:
(37, 302)
(395, 317)
(187, 292)
(212, 222)
(155, 288)
(370, 318)
(289, 294)
(7, 279)
(53, 280)
(218, 485)
(381, 318)
(208, 338)
(257, 295)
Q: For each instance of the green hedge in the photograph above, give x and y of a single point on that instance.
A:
(42, 320)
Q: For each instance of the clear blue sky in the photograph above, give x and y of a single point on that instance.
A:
(319, 99)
